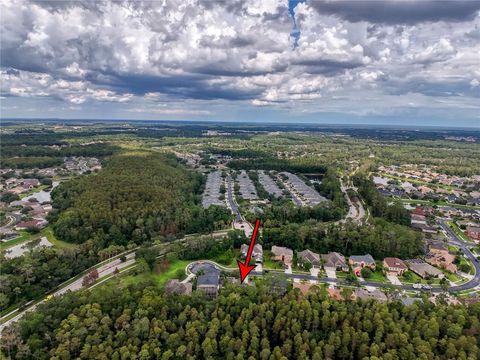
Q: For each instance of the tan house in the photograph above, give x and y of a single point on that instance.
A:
(174, 286)
(394, 266)
(438, 255)
(473, 232)
(282, 254)
(423, 269)
(335, 262)
(310, 257)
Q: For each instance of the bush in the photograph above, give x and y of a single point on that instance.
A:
(366, 273)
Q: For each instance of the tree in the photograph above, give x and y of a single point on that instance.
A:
(8, 197)
(366, 272)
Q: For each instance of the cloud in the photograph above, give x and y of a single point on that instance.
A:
(399, 11)
(127, 56)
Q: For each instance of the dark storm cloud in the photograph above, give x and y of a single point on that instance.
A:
(399, 11)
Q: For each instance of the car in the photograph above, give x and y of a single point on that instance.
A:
(417, 286)
(426, 287)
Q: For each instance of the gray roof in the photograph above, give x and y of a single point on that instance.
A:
(409, 301)
(309, 256)
(279, 250)
(362, 258)
(209, 279)
(333, 259)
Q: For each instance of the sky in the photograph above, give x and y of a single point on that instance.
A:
(401, 62)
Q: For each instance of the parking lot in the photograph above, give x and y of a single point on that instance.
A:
(306, 194)
(269, 184)
(211, 194)
(247, 189)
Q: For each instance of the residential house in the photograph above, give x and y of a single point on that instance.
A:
(310, 257)
(423, 269)
(278, 285)
(335, 262)
(408, 301)
(282, 254)
(376, 294)
(425, 189)
(30, 183)
(394, 266)
(360, 261)
(174, 286)
(303, 287)
(438, 255)
(257, 252)
(335, 294)
(35, 223)
(209, 283)
(473, 232)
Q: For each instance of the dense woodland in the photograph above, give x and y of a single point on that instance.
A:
(377, 203)
(31, 276)
(140, 322)
(134, 199)
(380, 239)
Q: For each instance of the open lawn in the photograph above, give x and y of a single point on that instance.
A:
(26, 236)
(377, 276)
(171, 273)
(268, 263)
(438, 203)
(160, 278)
(458, 231)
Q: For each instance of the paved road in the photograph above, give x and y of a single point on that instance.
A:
(103, 271)
(232, 204)
(465, 247)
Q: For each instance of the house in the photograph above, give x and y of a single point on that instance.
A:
(438, 255)
(473, 232)
(425, 189)
(283, 254)
(335, 294)
(209, 283)
(278, 285)
(360, 261)
(174, 286)
(368, 295)
(418, 219)
(257, 252)
(30, 183)
(423, 269)
(35, 223)
(335, 262)
(394, 266)
(408, 301)
(310, 257)
(303, 287)
(424, 227)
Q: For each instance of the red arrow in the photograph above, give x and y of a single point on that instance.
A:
(246, 267)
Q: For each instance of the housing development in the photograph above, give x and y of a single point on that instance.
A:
(240, 179)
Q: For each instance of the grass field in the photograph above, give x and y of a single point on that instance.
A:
(26, 236)
(458, 231)
(377, 276)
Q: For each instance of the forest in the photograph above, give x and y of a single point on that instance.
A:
(29, 277)
(380, 239)
(134, 199)
(140, 322)
(378, 205)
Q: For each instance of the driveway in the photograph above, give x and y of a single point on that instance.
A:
(331, 274)
(394, 280)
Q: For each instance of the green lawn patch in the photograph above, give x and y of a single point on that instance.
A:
(171, 273)
(377, 276)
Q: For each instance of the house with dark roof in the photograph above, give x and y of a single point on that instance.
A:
(376, 294)
(308, 256)
(423, 269)
(209, 284)
(335, 262)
